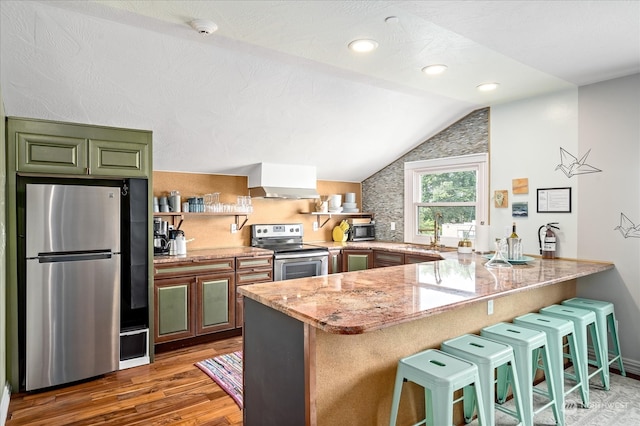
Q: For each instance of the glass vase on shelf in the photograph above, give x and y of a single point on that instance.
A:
(498, 260)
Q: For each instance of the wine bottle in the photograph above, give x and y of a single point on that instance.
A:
(513, 231)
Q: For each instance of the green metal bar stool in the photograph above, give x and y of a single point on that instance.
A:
(527, 344)
(440, 375)
(607, 325)
(557, 329)
(584, 322)
(487, 355)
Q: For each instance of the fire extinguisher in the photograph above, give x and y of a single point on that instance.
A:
(548, 242)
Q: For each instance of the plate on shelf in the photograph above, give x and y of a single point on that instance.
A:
(522, 261)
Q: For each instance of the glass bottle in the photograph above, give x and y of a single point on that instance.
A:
(498, 260)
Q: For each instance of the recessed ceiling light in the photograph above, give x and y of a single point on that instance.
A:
(434, 69)
(363, 45)
(487, 87)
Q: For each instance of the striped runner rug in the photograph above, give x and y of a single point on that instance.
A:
(226, 371)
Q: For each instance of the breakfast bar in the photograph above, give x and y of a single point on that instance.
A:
(324, 350)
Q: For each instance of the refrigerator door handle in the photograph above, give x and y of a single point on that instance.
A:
(74, 257)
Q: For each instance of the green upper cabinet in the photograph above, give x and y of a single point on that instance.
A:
(109, 158)
(48, 147)
(39, 153)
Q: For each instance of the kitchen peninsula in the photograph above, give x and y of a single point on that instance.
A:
(324, 350)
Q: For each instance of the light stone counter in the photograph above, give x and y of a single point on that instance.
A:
(202, 255)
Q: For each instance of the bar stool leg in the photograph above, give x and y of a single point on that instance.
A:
(578, 367)
(443, 400)
(469, 402)
(616, 343)
(503, 385)
(395, 403)
(598, 349)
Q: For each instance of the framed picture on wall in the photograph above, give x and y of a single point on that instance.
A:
(554, 200)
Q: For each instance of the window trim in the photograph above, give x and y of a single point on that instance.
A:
(412, 172)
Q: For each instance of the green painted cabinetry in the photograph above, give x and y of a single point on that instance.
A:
(73, 149)
(70, 150)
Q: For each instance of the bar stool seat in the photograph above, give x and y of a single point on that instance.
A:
(526, 343)
(557, 329)
(440, 375)
(488, 355)
(607, 324)
(584, 322)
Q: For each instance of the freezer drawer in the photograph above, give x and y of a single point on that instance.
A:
(72, 319)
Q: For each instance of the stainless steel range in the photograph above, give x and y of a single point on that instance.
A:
(292, 258)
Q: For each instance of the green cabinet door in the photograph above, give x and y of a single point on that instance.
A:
(51, 154)
(110, 158)
(216, 303)
(356, 260)
(173, 304)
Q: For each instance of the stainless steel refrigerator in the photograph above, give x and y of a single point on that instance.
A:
(72, 283)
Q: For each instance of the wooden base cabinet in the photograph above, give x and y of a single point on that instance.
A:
(251, 270)
(382, 258)
(335, 261)
(193, 299)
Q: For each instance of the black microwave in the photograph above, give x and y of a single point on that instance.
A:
(362, 232)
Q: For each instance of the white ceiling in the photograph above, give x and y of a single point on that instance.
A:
(276, 83)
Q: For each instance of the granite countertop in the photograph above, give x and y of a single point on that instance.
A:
(384, 245)
(212, 254)
(243, 251)
(363, 301)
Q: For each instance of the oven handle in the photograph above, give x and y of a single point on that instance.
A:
(305, 254)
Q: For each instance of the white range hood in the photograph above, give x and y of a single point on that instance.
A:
(268, 180)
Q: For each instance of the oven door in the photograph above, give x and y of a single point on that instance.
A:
(300, 265)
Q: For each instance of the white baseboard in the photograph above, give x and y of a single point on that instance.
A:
(630, 365)
(4, 404)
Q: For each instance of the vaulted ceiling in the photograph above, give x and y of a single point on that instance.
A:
(276, 82)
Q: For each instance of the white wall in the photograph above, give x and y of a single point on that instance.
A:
(524, 142)
(609, 125)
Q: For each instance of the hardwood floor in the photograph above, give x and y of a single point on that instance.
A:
(171, 391)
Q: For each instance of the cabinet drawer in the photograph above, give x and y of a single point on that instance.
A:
(254, 262)
(193, 268)
(254, 276)
(51, 154)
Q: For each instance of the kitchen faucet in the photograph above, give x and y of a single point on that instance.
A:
(436, 240)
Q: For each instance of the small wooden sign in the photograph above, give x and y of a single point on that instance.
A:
(520, 186)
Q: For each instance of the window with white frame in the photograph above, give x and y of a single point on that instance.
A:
(452, 191)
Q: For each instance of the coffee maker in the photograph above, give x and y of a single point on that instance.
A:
(160, 237)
